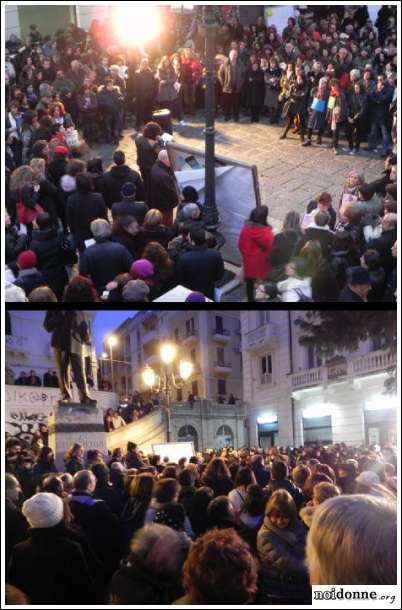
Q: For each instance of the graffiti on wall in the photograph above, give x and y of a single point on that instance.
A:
(23, 425)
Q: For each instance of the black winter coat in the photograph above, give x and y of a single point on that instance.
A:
(286, 246)
(325, 238)
(103, 261)
(100, 526)
(49, 551)
(16, 530)
(14, 244)
(48, 246)
(383, 245)
(255, 88)
(113, 181)
(163, 189)
(199, 269)
(379, 104)
(299, 97)
(81, 210)
(47, 198)
(29, 279)
(138, 209)
(294, 491)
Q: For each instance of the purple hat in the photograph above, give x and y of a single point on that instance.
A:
(142, 269)
(195, 297)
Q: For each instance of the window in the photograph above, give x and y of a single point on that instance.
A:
(176, 335)
(190, 327)
(193, 356)
(194, 388)
(317, 429)
(221, 387)
(127, 348)
(179, 395)
(266, 364)
(218, 323)
(220, 355)
(313, 360)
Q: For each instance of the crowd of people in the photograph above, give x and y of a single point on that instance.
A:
(76, 232)
(225, 526)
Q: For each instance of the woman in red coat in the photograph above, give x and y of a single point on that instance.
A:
(255, 244)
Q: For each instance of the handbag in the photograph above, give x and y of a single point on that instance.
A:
(318, 105)
(286, 108)
(26, 215)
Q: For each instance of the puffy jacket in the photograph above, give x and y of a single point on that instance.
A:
(112, 182)
(255, 245)
(281, 552)
(48, 245)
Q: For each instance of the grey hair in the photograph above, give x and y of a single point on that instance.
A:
(355, 72)
(151, 541)
(191, 210)
(100, 228)
(353, 541)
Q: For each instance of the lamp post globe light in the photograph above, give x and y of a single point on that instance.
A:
(168, 379)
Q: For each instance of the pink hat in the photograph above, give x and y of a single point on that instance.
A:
(142, 269)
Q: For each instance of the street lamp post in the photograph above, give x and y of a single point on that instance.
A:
(168, 381)
(112, 342)
(210, 27)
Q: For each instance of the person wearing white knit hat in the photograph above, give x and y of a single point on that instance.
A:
(43, 510)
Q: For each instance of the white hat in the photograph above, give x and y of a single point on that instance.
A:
(43, 510)
(368, 478)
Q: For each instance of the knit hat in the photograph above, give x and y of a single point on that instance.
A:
(135, 290)
(62, 150)
(358, 276)
(195, 297)
(142, 269)
(43, 510)
(27, 259)
(368, 478)
(171, 514)
(128, 189)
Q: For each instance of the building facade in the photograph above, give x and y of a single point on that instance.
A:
(211, 340)
(293, 398)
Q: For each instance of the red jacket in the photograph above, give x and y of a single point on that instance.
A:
(255, 245)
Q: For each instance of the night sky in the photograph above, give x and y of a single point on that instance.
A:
(105, 323)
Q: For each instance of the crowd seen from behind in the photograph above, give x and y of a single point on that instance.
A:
(78, 233)
(224, 526)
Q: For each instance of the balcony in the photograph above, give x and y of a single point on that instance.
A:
(152, 360)
(222, 367)
(371, 363)
(264, 337)
(237, 350)
(16, 345)
(220, 334)
(150, 335)
(190, 337)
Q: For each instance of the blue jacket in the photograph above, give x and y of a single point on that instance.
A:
(199, 269)
(380, 102)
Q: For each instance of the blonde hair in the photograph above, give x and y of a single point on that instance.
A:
(153, 218)
(21, 177)
(38, 167)
(353, 541)
(324, 491)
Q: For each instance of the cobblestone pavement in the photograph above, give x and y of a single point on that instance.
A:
(289, 175)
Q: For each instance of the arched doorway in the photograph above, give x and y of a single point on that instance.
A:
(224, 437)
(188, 433)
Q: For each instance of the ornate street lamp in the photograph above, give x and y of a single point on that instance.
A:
(210, 27)
(167, 381)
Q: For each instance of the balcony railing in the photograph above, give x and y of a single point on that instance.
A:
(266, 378)
(363, 365)
(190, 335)
(222, 331)
(223, 364)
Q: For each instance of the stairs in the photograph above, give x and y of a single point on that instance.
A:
(146, 431)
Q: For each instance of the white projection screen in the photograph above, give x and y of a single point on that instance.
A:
(237, 190)
(174, 451)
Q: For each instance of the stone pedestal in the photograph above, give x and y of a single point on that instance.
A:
(71, 423)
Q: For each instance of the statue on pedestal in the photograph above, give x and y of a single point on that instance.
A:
(71, 343)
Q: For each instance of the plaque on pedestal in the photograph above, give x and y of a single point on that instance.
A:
(70, 423)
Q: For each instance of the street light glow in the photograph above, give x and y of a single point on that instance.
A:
(186, 369)
(148, 376)
(104, 355)
(112, 341)
(168, 353)
(136, 23)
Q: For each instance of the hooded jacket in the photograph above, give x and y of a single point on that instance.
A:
(255, 245)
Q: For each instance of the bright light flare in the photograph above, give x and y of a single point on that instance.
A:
(112, 341)
(186, 369)
(136, 23)
(168, 353)
(149, 377)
